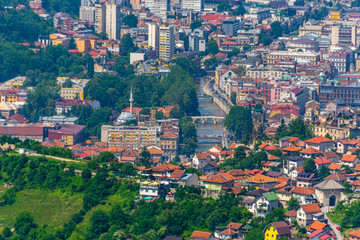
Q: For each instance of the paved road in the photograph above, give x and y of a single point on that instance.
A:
(332, 225)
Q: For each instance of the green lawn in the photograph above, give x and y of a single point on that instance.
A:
(47, 207)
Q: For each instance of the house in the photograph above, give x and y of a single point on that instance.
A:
(308, 213)
(262, 181)
(304, 195)
(322, 162)
(276, 230)
(321, 235)
(290, 216)
(285, 194)
(208, 167)
(350, 160)
(305, 179)
(332, 156)
(310, 153)
(181, 178)
(320, 143)
(151, 190)
(293, 162)
(329, 192)
(218, 181)
(163, 170)
(200, 158)
(355, 235)
(318, 225)
(335, 167)
(295, 172)
(268, 165)
(265, 204)
(198, 235)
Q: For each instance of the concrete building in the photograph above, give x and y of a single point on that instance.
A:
(231, 26)
(60, 119)
(113, 21)
(341, 60)
(194, 5)
(343, 36)
(166, 42)
(100, 17)
(87, 13)
(329, 192)
(158, 7)
(197, 43)
(153, 37)
(133, 137)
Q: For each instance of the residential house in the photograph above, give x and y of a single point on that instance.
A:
(276, 230)
(151, 190)
(293, 162)
(306, 214)
(305, 179)
(332, 156)
(265, 204)
(290, 216)
(310, 153)
(218, 181)
(338, 177)
(181, 178)
(320, 143)
(200, 158)
(198, 235)
(322, 162)
(329, 192)
(285, 194)
(208, 167)
(318, 225)
(163, 170)
(262, 181)
(304, 195)
(355, 235)
(321, 235)
(350, 160)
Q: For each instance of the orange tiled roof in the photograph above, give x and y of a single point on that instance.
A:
(318, 140)
(202, 155)
(283, 179)
(263, 145)
(177, 174)
(292, 149)
(357, 168)
(153, 151)
(317, 225)
(293, 139)
(271, 148)
(165, 167)
(218, 178)
(311, 208)
(310, 150)
(355, 233)
(232, 146)
(259, 178)
(201, 235)
(272, 157)
(291, 213)
(335, 166)
(336, 177)
(234, 226)
(348, 158)
(323, 160)
(267, 163)
(304, 191)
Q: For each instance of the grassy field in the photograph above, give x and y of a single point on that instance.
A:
(47, 207)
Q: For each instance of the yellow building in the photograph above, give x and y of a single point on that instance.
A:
(275, 230)
(72, 93)
(335, 15)
(83, 45)
(306, 29)
(357, 65)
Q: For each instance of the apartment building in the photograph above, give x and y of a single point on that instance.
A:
(87, 13)
(133, 137)
(272, 57)
(158, 7)
(113, 21)
(100, 17)
(343, 36)
(166, 42)
(193, 5)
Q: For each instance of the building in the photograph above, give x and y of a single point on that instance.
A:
(36, 132)
(158, 7)
(66, 105)
(355, 235)
(170, 143)
(272, 57)
(275, 230)
(100, 18)
(69, 134)
(192, 5)
(197, 43)
(152, 190)
(113, 21)
(218, 182)
(264, 204)
(308, 213)
(87, 13)
(341, 60)
(231, 26)
(60, 119)
(153, 37)
(72, 93)
(83, 45)
(166, 42)
(133, 137)
(343, 36)
(329, 192)
(197, 235)
(320, 143)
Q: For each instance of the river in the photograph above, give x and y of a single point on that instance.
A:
(207, 108)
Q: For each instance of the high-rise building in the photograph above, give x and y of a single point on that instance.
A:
(153, 37)
(158, 7)
(343, 36)
(87, 13)
(194, 5)
(197, 43)
(230, 26)
(113, 21)
(100, 17)
(166, 42)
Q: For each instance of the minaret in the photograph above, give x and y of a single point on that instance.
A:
(131, 101)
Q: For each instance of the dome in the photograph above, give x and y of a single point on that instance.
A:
(124, 117)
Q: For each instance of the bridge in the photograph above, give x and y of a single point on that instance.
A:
(215, 137)
(204, 119)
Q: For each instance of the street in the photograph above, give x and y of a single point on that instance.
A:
(332, 225)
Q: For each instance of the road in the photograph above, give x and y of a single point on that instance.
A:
(332, 225)
(56, 158)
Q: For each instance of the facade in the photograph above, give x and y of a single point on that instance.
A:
(60, 119)
(69, 134)
(150, 190)
(329, 192)
(341, 60)
(170, 143)
(36, 132)
(113, 21)
(275, 230)
(100, 17)
(231, 26)
(166, 42)
(265, 204)
(343, 36)
(66, 105)
(135, 137)
(193, 5)
(157, 7)
(153, 37)
(87, 13)
(272, 57)
(197, 43)
(308, 213)
(72, 93)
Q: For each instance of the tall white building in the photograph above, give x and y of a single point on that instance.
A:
(194, 5)
(158, 7)
(153, 37)
(166, 42)
(87, 13)
(100, 17)
(113, 21)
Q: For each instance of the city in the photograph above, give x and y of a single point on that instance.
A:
(179, 119)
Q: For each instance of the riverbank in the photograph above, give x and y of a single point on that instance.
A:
(209, 91)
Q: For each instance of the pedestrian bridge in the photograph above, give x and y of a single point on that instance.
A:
(204, 119)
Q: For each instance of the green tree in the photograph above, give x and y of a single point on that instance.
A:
(234, 52)
(99, 223)
(233, 97)
(222, 7)
(195, 24)
(293, 203)
(130, 20)
(327, 135)
(324, 172)
(144, 159)
(276, 29)
(159, 115)
(212, 47)
(239, 121)
(186, 64)
(24, 223)
(310, 166)
(128, 44)
(240, 71)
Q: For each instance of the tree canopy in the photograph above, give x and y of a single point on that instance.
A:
(239, 121)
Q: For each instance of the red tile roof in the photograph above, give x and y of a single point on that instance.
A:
(291, 213)
(318, 140)
(323, 160)
(291, 149)
(311, 208)
(310, 150)
(335, 166)
(218, 178)
(304, 191)
(355, 233)
(202, 155)
(201, 235)
(165, 167)
(348, 158)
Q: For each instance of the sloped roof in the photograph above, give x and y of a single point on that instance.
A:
(355, 233)
(271, 196)
(259, 178)
(201, 235)
(310, 150)
(318, 140)
(282, 228)
(291, 213)
(329, 184)
(335, 166)
(317, 225)
(336, 177)
(323, 160)
(311, 208)
(165, 167)
(348, 158)
(292, 149)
